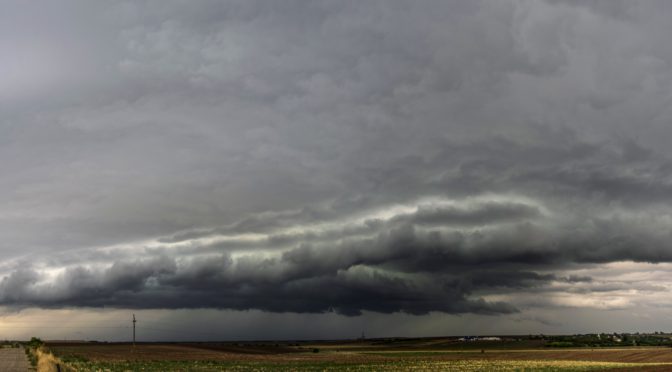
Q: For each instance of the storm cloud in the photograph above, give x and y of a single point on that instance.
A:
(460, 157)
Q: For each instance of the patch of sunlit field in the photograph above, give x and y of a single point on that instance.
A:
(397, 365)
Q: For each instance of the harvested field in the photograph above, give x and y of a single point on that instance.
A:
(351, 356)
(118, 352)
(634, 355)
(188, 352)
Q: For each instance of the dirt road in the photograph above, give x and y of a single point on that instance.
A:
(13, 360)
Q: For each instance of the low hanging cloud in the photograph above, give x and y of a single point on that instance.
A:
(313, 156)
(443, 256)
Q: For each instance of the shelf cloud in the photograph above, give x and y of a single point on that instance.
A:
(500, 159)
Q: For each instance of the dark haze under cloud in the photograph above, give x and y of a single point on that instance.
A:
(321, 156)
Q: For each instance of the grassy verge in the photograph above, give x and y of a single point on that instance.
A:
(32, 356)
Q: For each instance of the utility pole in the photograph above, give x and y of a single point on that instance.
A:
(134, 330)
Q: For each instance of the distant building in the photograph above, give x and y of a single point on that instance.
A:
(471, 339)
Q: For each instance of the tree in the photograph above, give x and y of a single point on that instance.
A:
(35, 342)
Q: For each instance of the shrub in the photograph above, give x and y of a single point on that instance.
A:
(35, 342)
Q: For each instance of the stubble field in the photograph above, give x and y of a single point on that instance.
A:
(355, 356)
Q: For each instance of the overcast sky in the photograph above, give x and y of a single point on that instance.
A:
(315, 169)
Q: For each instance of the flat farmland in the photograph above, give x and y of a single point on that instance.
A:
(353, 356)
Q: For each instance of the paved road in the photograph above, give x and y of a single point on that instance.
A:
(13, 360)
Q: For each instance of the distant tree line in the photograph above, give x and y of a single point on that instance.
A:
(610, 340)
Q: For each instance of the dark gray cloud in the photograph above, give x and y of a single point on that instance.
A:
(410, 263)
(315, 156)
